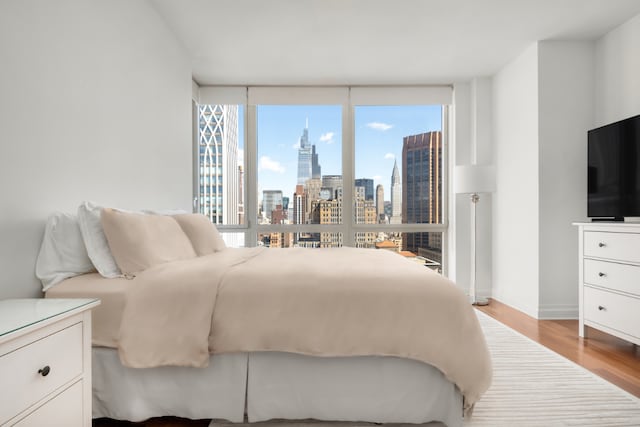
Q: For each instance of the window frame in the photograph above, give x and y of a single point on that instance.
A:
(348, 98)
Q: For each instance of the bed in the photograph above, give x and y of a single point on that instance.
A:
(256, 334)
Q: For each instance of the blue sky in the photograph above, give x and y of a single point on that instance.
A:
(378, 130)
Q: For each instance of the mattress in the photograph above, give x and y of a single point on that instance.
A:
(105, 317)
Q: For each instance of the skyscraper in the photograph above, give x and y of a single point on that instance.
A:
(316, 169)
(380, 216)
(299, 205)
(271, 199)
(219, 175)
(367, 183)
(396, 196)
(304, 157)
(422, 190)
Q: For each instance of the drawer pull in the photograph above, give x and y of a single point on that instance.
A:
(601, 274)
(601, 308)
(602, 245)
(44, 371)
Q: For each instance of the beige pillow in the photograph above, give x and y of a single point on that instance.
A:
(203, 234)
(138, 241)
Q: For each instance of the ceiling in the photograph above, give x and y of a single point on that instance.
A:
(360, 42)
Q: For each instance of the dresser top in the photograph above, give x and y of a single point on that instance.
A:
(610, 224)
(17, 314)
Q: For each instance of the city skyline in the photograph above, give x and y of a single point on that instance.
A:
(415, 193)
(379, 132)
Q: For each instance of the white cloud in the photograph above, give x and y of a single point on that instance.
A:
(377, 178)
(296, 146)
(379, 126)
(390, 156)
(327, 137)
(267, 163)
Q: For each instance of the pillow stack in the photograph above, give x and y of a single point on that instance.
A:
(116, 242)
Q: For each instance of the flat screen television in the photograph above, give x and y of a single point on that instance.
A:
(614, 170)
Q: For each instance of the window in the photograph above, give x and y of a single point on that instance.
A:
(299, 151)
(399, 170)
(297, 148)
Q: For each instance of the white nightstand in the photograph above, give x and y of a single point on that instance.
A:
(45, 362)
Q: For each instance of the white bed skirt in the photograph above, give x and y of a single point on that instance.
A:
(372, 388)
(121, 393)
(277, 386)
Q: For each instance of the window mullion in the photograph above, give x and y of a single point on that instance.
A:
(251, 192)
(348, 166)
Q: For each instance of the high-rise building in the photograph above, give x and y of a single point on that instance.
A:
(312, 190)
(278, 215)
(333, 183)
(219, 177)
(367, 183)
(327, 212)
(270, 199)
(380, 216)
(240, 195)
(396, 196)
(299, 205)
(316, 169)
(304, 157)
(365, 213)
(422, 191)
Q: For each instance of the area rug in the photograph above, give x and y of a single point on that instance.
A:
(532, 387)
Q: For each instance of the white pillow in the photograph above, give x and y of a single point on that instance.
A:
(62, 253)
(95, 240)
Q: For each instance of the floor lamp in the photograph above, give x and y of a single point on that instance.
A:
(473, 180)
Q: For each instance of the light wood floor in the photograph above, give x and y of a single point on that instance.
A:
(613, 359)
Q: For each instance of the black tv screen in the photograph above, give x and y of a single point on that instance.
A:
(614, 170)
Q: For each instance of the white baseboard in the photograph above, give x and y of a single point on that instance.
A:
(558, 311)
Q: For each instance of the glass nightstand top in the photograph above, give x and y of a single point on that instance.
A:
(16, 314)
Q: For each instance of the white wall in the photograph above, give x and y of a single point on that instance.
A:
(96, 104)
(482, 154)
(515, 203)
(565, 114)
(460, 154)
(543, 107)
(473, 136)
(617, 68)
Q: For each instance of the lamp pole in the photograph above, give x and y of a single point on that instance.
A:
(475, 198)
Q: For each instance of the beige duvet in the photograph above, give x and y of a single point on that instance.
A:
(329, 302)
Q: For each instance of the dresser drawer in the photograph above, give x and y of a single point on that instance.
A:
(65, 409)
(616, 246)
(22, 385)
(615, 311)
(611, 275)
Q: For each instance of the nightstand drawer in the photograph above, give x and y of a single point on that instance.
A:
(65, 409)
(615, 311)
(611, 275)
(614, 246)
(22, 385)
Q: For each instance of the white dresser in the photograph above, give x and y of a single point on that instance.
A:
(45, 362)
(609, 278)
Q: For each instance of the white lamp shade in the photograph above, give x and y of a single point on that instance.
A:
(474, 179)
